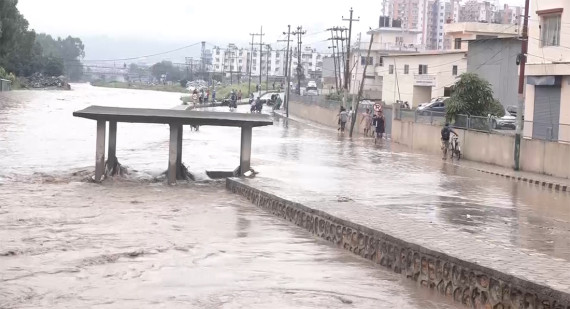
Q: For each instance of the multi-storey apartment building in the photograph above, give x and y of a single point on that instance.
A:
(266, 61)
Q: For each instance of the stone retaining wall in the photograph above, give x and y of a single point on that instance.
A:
(467, 283)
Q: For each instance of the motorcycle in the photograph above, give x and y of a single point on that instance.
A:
(455, 147)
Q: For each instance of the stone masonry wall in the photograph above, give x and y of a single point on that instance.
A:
(470, 284)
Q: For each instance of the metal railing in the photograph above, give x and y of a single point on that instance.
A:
(554, 132)
(477, 123)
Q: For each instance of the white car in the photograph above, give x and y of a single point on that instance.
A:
(424, 105)
(506, 122)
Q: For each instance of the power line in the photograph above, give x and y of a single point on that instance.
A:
(145, 56)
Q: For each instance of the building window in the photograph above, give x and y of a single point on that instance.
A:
(406, 69)
(457, 43)
(399, 40)
(454, 70)
(381, 61)
(391, 69)
(550, 30)
(363, 60)
(422, 69)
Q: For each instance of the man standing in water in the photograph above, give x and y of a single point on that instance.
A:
(367, 118)
(379, 124)
(342, 118)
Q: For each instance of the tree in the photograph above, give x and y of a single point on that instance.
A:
(22, 52)
(70, 50)
(53, 66)
(472, 96)
(166, 68)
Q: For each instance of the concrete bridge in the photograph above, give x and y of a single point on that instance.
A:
(176, 119)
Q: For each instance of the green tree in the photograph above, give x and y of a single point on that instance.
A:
(167, 68)
(23, 53)
(472, 96)
(53, 66)
(70, 50)
(19, 52)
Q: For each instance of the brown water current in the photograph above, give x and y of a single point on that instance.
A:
(135, 242)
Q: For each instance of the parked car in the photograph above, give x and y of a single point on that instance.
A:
(506, 122)
(312, 90)
(438, 106)
(423, 105)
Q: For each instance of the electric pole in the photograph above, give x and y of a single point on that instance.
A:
(299, 33)
(522, 57)
(361, 85)
(347, 65)
(287, 69)
(260, 57)
(251, 57)
(267, 58)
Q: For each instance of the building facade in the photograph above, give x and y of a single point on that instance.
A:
(266, 61)
(418, 77)
(547, 105)
(386, 41)
(493, 60)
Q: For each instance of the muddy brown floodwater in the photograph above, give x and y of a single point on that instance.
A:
(137, 243)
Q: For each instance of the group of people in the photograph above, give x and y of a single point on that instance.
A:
(370, 120)
(203, 96)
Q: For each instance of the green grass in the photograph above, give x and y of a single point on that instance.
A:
(126, 85)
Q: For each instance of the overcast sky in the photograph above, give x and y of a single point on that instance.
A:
(151, 25)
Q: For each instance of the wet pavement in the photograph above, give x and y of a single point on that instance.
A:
(432, 201)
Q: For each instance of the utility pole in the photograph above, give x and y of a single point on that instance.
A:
(346, 66)
(251, 57)
(287, 69)
(260, 57)
(267, 67)
(356, 72)
(299, 33)
(361, 85)
(522, 57)
(336, 77)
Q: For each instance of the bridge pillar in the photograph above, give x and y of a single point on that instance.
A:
(112, 151)
(175, 153)
(245, 150)
(100, 150)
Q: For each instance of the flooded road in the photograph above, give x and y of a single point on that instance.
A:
(137, 243)
(142, 238)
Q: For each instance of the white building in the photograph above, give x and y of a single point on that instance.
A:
(271, 62)
(547, 106)
(419, 77)
(386, 41)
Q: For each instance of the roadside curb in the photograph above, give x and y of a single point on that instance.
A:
(465, 282)
(546, 184)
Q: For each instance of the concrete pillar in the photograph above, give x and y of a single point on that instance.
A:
(100, 150)
(245, 150)
(112, 152)
(173, 153)
(179, 153)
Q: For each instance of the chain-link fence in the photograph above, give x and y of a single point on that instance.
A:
(485, 124)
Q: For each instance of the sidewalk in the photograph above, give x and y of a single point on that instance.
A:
(555, 183)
